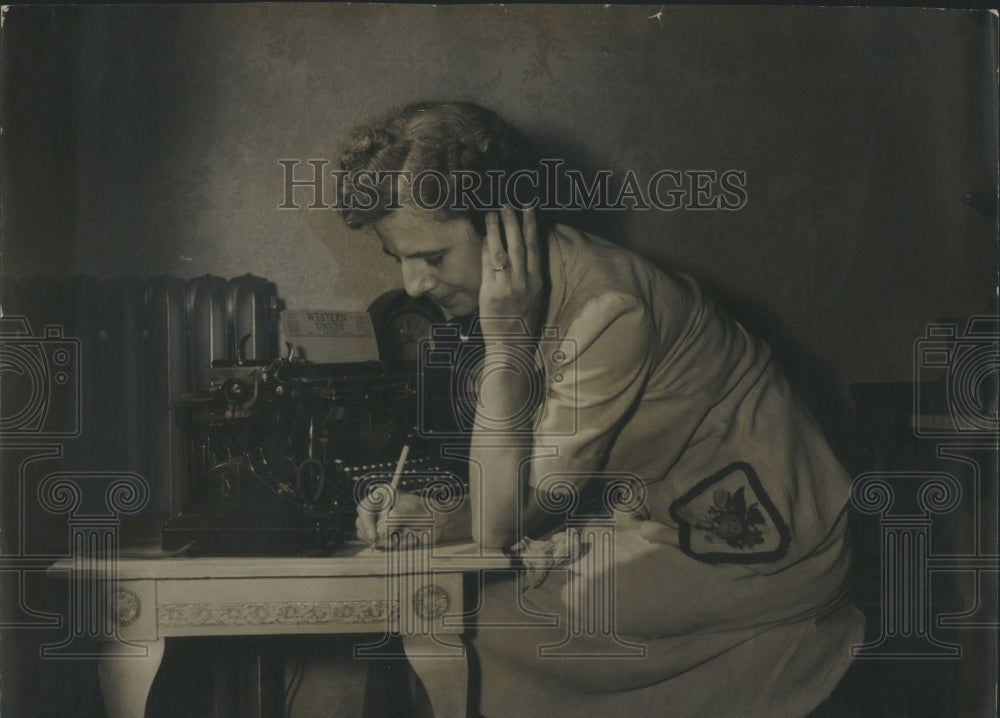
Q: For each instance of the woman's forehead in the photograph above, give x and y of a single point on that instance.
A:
(405, 232)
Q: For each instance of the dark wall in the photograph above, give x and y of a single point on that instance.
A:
(38, 169)
(145, 140)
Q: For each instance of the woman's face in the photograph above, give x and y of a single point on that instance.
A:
(442, 260)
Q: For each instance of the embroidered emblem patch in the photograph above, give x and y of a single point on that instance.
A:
(729, 518)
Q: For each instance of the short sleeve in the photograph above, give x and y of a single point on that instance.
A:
(593, 382)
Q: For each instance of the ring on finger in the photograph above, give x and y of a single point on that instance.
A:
(500, 261)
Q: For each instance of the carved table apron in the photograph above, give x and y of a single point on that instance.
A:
(416, 594)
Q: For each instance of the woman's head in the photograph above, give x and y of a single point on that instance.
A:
(449, 159)
(441, 260)
(425, 180)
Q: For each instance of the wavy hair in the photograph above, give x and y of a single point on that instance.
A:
(445, 137)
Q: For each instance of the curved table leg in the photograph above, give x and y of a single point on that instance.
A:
(125, 681)
(445, 675)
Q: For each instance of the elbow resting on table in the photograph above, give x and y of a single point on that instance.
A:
(494, 537)
(501, 530)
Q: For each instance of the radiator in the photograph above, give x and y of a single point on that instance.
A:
(142, 343)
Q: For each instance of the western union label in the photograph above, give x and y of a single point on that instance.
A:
(311, 323)
(324, 335)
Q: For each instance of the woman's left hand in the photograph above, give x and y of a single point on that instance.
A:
(511, 290)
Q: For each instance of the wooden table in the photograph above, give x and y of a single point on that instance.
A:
(415, 593)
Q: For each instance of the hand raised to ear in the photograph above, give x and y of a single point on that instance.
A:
(511, 290)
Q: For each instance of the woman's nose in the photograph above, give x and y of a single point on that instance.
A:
(418, 280)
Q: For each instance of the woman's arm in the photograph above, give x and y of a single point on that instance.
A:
(502, 506)
(499, 507)
(510, 300)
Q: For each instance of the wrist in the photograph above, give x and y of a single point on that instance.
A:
(509, 348)
(508, 327)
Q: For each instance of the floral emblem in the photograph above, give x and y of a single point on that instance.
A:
(729, 518)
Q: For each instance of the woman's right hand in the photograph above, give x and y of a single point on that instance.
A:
(450, 525)
(372, 527)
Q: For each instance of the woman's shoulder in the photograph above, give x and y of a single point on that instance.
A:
(588, 271)
(579, 244)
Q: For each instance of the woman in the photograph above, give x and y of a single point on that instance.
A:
(713, 571)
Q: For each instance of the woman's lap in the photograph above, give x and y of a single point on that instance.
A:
(631, 656)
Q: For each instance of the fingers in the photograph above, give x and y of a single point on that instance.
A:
(365, 524)
(515, 243)
(491, 247)
(373, 528)
(376, 533)
(512, 282)
(370, 511)
(495, 259)
(521, 258)
(533, 259)
(382, 531)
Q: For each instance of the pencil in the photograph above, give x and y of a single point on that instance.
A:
(395, 478)
(402, 460)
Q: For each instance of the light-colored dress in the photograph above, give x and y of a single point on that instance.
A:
(714, 582)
